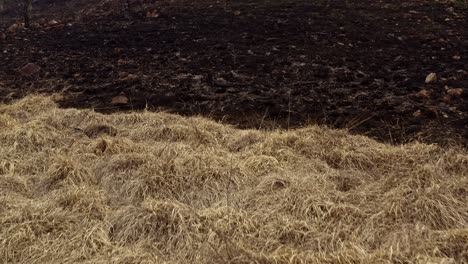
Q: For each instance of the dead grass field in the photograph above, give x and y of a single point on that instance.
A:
(81, 187)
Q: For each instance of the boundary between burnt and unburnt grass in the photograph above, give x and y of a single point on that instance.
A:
(262, 64)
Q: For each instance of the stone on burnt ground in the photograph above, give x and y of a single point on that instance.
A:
(29, 69)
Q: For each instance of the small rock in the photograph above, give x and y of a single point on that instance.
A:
(431, 77)
(121, 62)
(131, 76)
(127, 76)
(456, 57)
(417, 113)
(52, 22)
(15, 27)
(455, 91)
(152, 14)
(120, 100)
(447, 99)
(423, 94)
(2, 36)
(29, 69)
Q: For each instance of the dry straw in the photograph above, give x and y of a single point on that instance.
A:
(80, 187)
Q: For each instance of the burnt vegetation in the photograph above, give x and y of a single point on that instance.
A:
(359, 65)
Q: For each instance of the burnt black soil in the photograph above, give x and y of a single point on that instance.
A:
(357, 65)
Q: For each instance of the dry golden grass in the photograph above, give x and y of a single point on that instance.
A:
(80, 187)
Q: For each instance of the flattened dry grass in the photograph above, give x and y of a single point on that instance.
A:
(80, 187)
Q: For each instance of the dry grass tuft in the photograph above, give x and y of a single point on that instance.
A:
(80, 187)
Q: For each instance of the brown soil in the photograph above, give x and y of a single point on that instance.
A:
(348, 64)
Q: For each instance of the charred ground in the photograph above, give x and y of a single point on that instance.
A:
(359, 65)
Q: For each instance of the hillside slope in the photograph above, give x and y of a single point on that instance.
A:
(81, 187)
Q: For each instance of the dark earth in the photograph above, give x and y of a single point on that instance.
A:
(359, 65)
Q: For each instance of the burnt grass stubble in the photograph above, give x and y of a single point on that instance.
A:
(357, 65)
